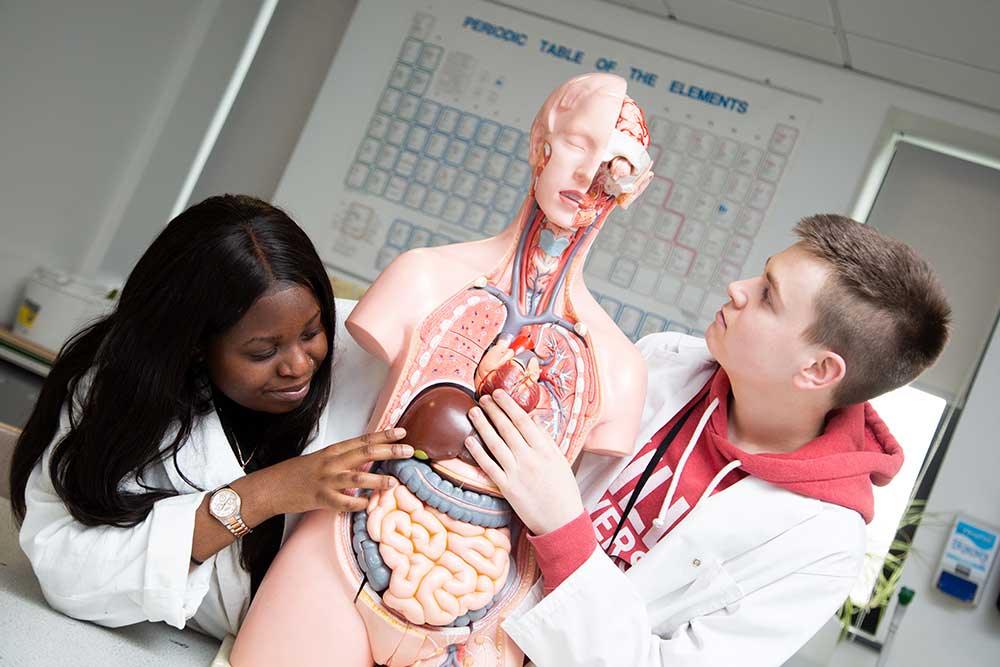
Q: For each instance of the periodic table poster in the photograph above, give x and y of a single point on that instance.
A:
(419, 137)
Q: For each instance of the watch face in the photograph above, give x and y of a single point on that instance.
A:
(224, 503)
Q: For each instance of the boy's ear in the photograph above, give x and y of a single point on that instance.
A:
(826, 369)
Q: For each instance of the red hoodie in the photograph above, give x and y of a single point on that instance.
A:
(854, 451)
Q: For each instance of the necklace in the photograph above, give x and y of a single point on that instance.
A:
(239, 453)
(230, 434)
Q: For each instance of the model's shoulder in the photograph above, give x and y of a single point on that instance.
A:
(621, 358)
(412, 274)
(417, 259)
(624, 375)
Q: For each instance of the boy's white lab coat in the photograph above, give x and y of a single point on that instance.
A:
(118, 576)
(745, 579)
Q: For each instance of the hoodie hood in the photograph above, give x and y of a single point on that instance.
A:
(855, 451)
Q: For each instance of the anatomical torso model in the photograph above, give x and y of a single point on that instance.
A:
(428, 573)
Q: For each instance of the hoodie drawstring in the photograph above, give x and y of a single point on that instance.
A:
(672, 489)
(731, 466)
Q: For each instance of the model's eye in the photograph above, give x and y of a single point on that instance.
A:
(309, 335)
(262, 356)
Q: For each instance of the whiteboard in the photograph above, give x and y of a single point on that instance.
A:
(419, 138)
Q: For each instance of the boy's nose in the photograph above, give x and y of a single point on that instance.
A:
(737, 293)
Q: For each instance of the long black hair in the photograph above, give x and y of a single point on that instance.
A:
(134, 377)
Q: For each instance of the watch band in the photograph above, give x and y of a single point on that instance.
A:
(236, 526)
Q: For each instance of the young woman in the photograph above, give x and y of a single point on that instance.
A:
(152, 479)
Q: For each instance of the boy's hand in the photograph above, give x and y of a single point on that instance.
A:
(530, 471)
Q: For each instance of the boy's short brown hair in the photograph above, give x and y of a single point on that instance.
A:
(882, 309)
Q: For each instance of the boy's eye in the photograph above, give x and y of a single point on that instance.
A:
(766, 295)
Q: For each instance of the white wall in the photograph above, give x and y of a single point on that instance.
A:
(103, 105)
(275, 99)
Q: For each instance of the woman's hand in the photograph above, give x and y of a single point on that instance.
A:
(323, 479)
(530, 471)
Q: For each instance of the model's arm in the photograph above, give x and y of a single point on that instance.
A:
(598, 617)
(622, 401)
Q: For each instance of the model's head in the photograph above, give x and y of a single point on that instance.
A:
(231, 297)
(588, 150)
(846, 312)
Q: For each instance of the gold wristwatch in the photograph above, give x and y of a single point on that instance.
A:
(224, 505)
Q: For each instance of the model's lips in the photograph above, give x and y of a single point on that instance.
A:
(292, 393)
(573, 196)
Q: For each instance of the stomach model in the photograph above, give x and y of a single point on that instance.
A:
(439, 558)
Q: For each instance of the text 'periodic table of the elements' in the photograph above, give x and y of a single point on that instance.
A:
(423, 140)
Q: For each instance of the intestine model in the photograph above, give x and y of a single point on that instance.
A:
(428, 573)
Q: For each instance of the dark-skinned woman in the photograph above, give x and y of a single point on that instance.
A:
(172, 437)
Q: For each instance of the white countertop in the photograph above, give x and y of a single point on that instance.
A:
(32, 634)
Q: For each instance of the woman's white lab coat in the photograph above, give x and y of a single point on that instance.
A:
(118, 576)
(745, 579)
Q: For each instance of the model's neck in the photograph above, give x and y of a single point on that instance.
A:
(773, 421)
(551, 260)
(546, 260)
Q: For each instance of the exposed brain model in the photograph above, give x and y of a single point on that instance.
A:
(426, 575)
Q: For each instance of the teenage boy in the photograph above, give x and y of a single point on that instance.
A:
(737, 527)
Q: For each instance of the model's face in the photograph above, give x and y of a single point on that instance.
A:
(575, 148)
(266, 361)
(759, 334)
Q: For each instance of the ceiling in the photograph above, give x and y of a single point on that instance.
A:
(947, 47)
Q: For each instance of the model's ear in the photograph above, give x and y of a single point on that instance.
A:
(824, 371)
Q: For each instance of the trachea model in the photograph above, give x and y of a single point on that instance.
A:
(429, 572)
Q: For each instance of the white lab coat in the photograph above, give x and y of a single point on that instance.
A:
(745, 579)
(118, 576)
